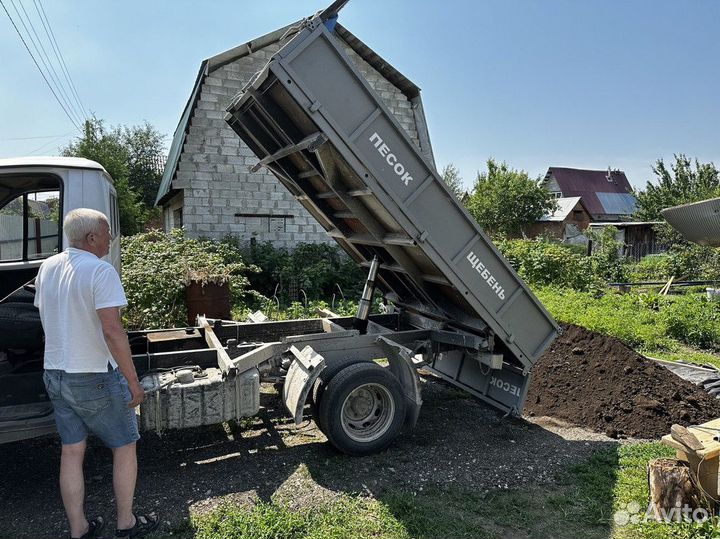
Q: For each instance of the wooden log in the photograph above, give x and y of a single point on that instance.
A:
(672, 488)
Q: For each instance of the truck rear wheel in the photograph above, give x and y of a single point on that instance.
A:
(320, 385)
(363, 409)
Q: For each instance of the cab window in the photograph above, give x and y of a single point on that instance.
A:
(29, 226)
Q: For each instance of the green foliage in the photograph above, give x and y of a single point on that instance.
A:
(318, 269)
(156, 267)
(694, 262)
(543, 263)
(505, 200)
(679, 185)
(607, 261)
(647, 321)
(146, 156)
(295, 310)
(130, 155)
(693, 320)
(451, 176)
(650, 268)
(683, 262)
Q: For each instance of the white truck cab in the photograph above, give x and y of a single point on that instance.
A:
(35, 194)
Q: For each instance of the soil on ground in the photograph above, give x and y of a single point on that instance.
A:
(597, 382)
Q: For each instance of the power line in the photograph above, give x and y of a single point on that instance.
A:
(49, 31)
(58, 80)
(38, 67)
(38, 48)
(45, 145)
(36, 138)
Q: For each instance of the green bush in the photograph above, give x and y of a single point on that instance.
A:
(543, 263)
(650, 268)
(607, 262)
(647, 321)
(317, 269)
(693, 320)
(156, 267)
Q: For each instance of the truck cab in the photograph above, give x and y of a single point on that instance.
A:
(35, 194)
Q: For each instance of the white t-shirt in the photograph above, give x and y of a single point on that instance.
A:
(70, 287)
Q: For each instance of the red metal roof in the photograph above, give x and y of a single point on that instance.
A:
(587, 183)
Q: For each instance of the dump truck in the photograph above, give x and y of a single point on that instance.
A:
(454, 306)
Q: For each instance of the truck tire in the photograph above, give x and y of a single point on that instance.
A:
(20, 326)
(362, 409)
(318, 389)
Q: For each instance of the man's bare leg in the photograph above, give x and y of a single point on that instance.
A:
(124, 477)
(72, 487)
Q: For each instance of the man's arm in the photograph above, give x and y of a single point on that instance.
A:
(117, 343)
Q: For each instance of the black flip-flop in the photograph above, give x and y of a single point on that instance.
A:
(144, 525)
(96, 526)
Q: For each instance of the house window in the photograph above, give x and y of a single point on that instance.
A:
(177, 218)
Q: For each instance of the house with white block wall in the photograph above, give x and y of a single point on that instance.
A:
(207, 186)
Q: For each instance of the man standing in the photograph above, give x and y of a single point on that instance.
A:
(89, 373)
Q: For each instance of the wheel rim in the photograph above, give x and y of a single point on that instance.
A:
(368, 412)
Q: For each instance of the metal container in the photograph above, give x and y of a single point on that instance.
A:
(210, 300)
(314, 121)
(207, 400)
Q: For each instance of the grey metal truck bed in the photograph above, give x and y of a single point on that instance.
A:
(315, 122)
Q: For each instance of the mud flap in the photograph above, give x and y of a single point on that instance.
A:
(403, 367)
(301, 376)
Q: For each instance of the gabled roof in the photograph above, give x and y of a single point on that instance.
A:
(565, 206)
(215, 62)
(604, 192)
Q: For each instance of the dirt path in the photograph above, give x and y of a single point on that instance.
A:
(459, 442)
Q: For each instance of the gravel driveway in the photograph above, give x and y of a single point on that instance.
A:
(458, 442)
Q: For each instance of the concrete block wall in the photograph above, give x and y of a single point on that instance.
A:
(213, 166)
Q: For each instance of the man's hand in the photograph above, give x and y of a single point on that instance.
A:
(138, 394)
(117, 343)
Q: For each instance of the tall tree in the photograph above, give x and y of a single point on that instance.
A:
(682, 184)
(131, 156)
(146, 159)
(451, 176)
(505, 200)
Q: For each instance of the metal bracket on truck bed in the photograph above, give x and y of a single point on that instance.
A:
(300, 378)
(223, 359)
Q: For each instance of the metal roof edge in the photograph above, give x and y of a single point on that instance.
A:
(230, 55)
(406, 86)
(179, 138)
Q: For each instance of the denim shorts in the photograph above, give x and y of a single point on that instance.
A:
(95, 402)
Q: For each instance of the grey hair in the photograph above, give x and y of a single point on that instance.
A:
(82, 221)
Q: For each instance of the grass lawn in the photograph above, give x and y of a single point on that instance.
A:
(581, 503)
(671, 328)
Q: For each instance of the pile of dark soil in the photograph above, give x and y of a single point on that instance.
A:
(597, 382)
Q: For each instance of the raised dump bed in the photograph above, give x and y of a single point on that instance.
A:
(315, 122)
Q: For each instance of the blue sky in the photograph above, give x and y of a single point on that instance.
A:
(586, 84)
